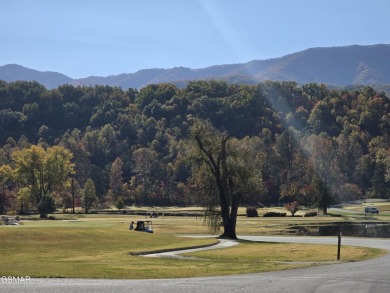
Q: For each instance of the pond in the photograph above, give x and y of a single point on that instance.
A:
(378, 230)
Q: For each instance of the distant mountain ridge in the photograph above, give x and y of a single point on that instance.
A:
(49, 79)
(340, 66)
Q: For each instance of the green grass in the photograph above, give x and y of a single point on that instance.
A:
(258, 252)
(101, 246)
(252, 257)
(96, 248)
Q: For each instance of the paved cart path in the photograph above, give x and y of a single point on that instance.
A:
(223, 243)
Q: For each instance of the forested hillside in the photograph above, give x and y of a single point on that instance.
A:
(133, 144)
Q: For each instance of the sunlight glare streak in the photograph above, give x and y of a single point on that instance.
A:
(226, 30)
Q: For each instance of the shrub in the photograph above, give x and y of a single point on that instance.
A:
(311, 214)
(119, 204)
(274, 214)
(251, 212)
(292, 207)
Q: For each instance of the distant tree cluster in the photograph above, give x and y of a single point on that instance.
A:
(287, 142)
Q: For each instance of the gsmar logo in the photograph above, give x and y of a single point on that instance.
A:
(14, 280)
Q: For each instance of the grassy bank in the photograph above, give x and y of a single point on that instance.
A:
(101, 246)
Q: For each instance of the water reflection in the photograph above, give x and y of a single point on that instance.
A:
(379, 230)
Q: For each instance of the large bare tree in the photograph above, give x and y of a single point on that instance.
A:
(227, 169)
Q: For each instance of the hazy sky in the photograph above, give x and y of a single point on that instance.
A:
(91, 37)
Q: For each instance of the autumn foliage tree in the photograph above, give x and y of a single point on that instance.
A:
(292, 207)
(42, 171)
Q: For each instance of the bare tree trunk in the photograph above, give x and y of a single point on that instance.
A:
(229, 229)
(73, 196)
(2, 200)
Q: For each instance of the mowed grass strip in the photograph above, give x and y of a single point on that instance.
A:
(101, 247)
(253, 257)
(248, 251)
(72, 249)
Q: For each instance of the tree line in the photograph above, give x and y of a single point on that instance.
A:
(122, 147)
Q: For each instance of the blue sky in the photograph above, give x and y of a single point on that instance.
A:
(91, 37)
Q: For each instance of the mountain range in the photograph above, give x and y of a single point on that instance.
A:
(339, 66)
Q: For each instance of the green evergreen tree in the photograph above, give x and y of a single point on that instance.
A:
(323, 198)
(46, 205)
(89, 195)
